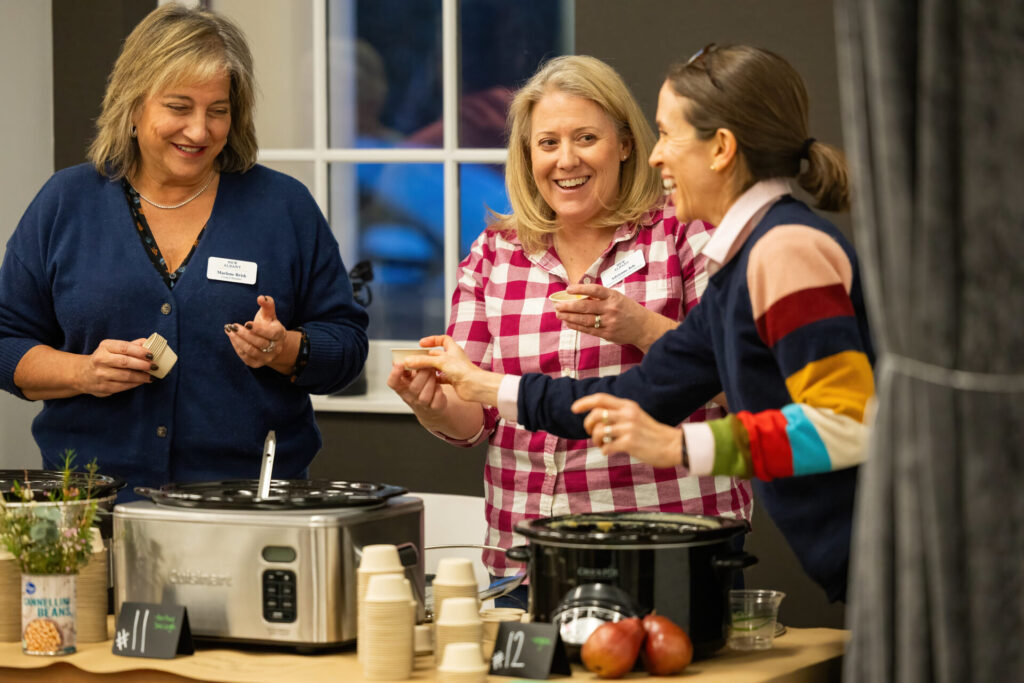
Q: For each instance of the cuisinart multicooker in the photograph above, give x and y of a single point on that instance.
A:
(279, 569)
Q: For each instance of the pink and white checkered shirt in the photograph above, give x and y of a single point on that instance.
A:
(502, 317)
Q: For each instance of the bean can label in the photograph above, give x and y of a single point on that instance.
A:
(48, 614)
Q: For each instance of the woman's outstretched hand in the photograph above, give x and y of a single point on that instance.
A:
(455, 368)
(618, 425)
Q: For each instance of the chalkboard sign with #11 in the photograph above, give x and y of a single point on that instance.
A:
(154, 631)
(528, 651)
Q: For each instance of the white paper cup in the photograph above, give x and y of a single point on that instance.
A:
(566, 296)
(462, 657)
(399, 355)
(381, 558)
(388, 587)
(459, 611)
(455, 571)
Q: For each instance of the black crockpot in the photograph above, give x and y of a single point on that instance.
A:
(679, 565)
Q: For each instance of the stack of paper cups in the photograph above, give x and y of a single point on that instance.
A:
(10, 598)
(462, 663)
(492, 619)
(386, 651)
(91, 592)
(459, 623)
(376, 560)
(454, 579)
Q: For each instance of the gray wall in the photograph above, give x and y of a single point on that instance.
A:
(26, 117)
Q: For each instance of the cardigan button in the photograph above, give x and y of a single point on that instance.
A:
(166, 309)
(161, 431)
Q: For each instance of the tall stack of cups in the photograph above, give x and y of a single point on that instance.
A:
(386, 643)
(454, 579)
(91, 594)
(459, 622)
(462, 663)
(376, 560)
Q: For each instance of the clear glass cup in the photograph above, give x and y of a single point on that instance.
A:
(754, 614)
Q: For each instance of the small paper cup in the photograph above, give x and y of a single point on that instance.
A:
(462, 657)
(455, 571)
(566, 296)
(380, 558)
(459, 611)
(388, 587)
(399, 355)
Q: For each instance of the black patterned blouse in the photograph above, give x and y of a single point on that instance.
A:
(149, 243)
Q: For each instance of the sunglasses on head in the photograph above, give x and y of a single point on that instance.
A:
(702, 58)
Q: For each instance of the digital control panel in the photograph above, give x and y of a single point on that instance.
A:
(279, 598)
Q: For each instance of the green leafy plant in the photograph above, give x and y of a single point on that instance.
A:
(52, 535)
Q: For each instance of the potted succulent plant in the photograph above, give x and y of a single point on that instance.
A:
(49, 537)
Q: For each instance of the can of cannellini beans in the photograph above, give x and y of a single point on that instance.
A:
(48, 614)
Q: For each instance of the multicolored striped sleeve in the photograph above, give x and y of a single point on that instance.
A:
(799, 281)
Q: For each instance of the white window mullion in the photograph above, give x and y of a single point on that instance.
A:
(450, 113)
(320, 191)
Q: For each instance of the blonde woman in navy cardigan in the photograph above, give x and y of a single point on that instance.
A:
(782, 327)
(174, 229)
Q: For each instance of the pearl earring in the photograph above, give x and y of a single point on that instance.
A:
(714, 168)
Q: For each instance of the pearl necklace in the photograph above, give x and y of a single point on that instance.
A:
(175, 206)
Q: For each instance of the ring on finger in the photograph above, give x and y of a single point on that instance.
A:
(597, 321)
(269, 347)
(604, 416)
(607, 437)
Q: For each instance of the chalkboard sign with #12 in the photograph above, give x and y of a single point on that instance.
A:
(155, 631)
(528, 651)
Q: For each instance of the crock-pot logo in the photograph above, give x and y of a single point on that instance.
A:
(194, 578)
(596, 573)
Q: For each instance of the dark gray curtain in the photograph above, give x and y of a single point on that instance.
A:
(933, 100)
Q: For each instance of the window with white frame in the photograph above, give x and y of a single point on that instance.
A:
(392, 112)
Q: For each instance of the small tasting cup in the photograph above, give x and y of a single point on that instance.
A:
(455, 571)
(388, 587)
(754, 613)
(399, 355)
(380, 558)
(459, 611)
(566, 296)
(462, 657)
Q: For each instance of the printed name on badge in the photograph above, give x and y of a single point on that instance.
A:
(622, 268)
(231, 270)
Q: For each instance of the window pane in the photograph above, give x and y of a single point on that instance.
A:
(393, 216)
(280, 34)
(501, 44)
(481, 188)
(384, 73)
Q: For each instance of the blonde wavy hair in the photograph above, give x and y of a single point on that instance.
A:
(172, 45)
(532, 220)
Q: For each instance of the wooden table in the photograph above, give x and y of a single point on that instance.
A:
(801, 655)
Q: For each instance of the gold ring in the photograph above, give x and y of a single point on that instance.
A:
(597, 321)
(604, 416)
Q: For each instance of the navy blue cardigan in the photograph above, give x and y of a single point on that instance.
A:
(717, 348)
(75, 273)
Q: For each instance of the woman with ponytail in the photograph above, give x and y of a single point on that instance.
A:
(781, 329)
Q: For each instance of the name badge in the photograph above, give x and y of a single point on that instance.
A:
(632, 263)
(231, 270)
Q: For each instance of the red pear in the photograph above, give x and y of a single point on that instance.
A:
(668, 649)
(612, 649)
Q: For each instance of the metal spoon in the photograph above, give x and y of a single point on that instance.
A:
(269, 446)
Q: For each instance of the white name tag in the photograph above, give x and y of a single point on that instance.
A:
(622, 268)
(231, 270)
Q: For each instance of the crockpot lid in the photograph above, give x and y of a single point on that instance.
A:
(43, 482)
(629, 528)
(284, 494)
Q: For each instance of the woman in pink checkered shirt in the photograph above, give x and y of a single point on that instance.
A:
(588, 218)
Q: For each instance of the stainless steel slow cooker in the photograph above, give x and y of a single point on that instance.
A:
(679, 565)
(278, 568)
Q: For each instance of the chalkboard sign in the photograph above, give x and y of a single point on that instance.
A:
(154, 631)
(528, 651)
